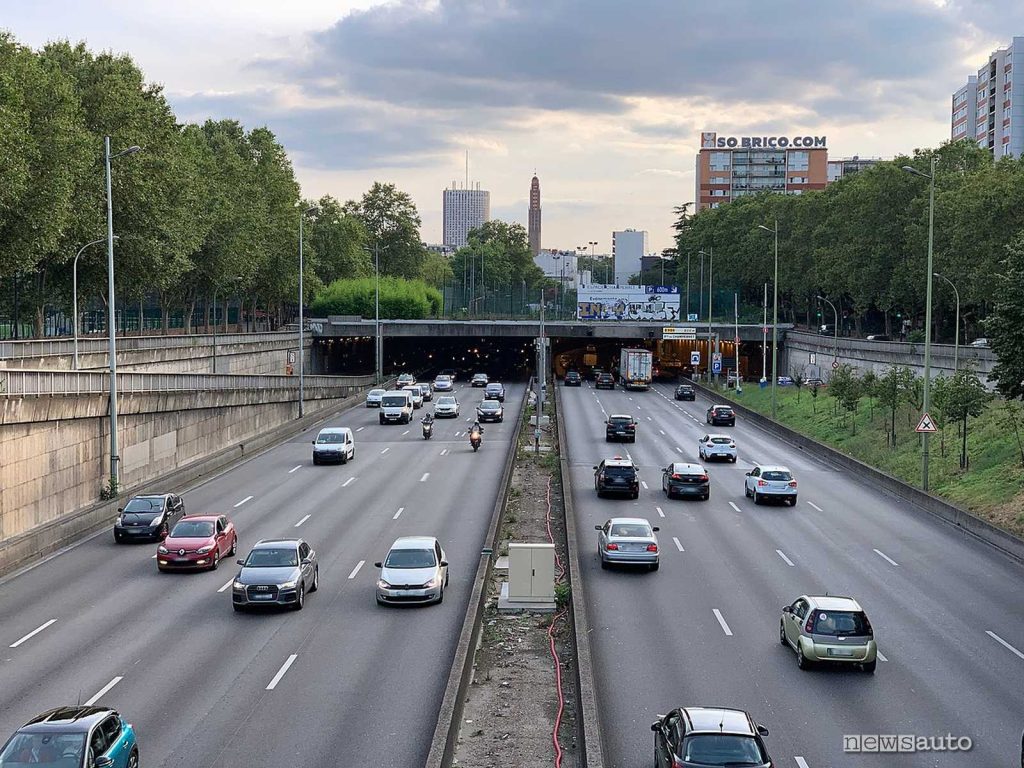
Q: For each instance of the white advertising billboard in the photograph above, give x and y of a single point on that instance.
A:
(628, 302)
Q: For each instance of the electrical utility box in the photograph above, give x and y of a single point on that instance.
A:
(531, 573)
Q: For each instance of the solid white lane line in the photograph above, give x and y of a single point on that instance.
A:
(679, 546)
(293, 469)
(725, 627)
(281, 671)
(642, 482)
(302, 520)
(800, 762)
(385, 451)
(247, 498)
(32, 634)
(885, 557)
(399, 512)
(360, 429)
(880, 656)
(660, 513)
(356, 569)
(425, 476)
(815, 506)
(406, 432)
(733, 505)
(783, 556)
(103, 690)
(348, 482)
(227, 586)
(1003, 643)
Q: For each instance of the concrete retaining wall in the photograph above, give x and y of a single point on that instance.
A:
(56, 454)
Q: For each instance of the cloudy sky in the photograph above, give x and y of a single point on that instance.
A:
(604, 98)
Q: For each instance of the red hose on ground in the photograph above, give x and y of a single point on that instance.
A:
(551, 640)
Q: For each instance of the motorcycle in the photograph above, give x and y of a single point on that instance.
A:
(475, 438)
(428, 429)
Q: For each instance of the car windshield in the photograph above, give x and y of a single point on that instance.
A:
(490, 405)
(413, 389)
(376, 392)
(630, 530)
(393, 401)
(494, 387)
(723, 409)
(619, 471)
(446, 400)
(59, 749)
(841, 623)
(721, 440)
(777, 475)
(148, 506)
(441, 380)
(722, 749)
(330, 437)
(272, 557)
(410, 558)
(192, 529)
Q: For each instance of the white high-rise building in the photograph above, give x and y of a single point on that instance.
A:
(989, 108)
(629, 246)
(464, 209)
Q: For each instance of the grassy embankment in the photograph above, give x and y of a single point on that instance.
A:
(992, 487)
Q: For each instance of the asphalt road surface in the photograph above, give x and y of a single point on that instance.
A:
(343, 682)
(948, 611)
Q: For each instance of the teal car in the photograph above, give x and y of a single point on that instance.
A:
(74, 737)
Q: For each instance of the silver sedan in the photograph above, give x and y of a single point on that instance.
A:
(628, 540)
(415, 571)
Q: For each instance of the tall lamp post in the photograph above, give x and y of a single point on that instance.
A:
(216, 288)
(593, 245)
(926, 401)
(302, 299)
(956, 332)
(711, 277)
(74, 291)
(111, 316)
(835, 312)
(775, 315)
(688, 286)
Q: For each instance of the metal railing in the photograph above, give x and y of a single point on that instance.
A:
(17, 383)
(92, 345)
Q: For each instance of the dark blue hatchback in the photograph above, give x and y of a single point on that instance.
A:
(73, 737)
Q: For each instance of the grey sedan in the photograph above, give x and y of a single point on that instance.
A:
(415, 571)
(628, 540)
(276, 572)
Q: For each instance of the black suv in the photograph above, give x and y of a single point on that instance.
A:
(617, 475)
(686, 392)
(148, 518)
(604, 381)
(721, 414)
(620, 427)
(573, 379)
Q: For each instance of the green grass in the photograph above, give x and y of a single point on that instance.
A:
(992, 486)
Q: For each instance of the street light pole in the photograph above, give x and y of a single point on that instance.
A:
(74, 290)
(688, 285)
(302, 297)
(926, 401)
(835, 312)
(775, 317)
(956, 332)
(711, 282)
(111, 316)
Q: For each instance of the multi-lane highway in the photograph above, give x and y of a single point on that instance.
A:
(948, 612)
(341, 683)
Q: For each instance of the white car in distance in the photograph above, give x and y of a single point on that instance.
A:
(714, 446)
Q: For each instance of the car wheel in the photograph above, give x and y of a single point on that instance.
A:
(316, 461)
(238, 608)
(117, 538)
(234, 547)
(316, 580)
(216, 560)
(636, 494)
(654, 566)
(707, 495)
(757, 497)
(604, 563)
(802, 661)
(792, 501)
(300, 601)
(870, 667)
(732, 459)
(344, 459)
(782, 634)
(133, 759)
(382, 420)
(440, 596)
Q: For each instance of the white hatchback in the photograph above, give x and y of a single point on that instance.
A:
(446, 407)
(770, 482)
(373, 397)
(717, 447)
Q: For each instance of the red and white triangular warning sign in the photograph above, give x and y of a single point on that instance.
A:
(926, 424)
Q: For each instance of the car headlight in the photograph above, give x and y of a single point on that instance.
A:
(237, 585)
(432, 583)
(383, 584)
(157, 523)
(118, 522)
(162, 550)
(289, 584)
(204, 550)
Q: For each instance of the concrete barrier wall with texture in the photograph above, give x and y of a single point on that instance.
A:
(55, 457)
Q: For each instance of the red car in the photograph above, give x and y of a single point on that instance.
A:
(197, 542)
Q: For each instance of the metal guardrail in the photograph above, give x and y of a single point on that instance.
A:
(92, 344)
(17, 383)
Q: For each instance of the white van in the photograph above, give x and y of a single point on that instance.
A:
(334, 444)
(396, 407)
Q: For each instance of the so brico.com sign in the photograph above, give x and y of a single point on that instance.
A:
(711, 140)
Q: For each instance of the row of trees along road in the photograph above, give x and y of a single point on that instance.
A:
(862, 243)
(202, 209)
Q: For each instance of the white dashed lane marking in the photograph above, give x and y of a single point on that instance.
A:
(356, 569)
(815, 506)
(398, 513)
(1003, 643)
(294, 469)
(103, 690)
(733, 505)
(302, 520)
(247, 498)
(721, 621)
(280, 673)
(885, 557)
(32, 634)
(678, 544)
(783, 556)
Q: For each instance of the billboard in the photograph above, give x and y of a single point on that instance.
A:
(628, 302)
(711, 140)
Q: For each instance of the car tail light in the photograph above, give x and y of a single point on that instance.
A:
(809, 626)
(611, 546)
(703, 478)
(761, 483)
(652, 547)
(676, 476)
(792, 483)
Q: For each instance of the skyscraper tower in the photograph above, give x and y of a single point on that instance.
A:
(535, 216)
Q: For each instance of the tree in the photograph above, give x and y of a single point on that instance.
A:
(869, 385)
(436, 270)
(845, 387)
(891, 391)
(392, 224)
(1011, 417)
(338, 243)
(797, 375)
(967, 397)
(1005, 326)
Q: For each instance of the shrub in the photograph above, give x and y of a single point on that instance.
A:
(400, 299)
